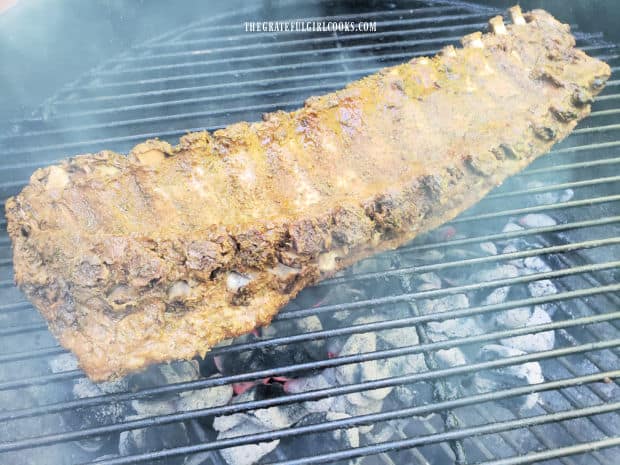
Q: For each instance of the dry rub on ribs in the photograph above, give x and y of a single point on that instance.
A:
(162, 254)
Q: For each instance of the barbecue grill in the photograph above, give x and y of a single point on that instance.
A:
(492, 340)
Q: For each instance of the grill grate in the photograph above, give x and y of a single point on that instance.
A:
(209, 74)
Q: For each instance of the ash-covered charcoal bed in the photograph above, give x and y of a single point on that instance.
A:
(161, 255)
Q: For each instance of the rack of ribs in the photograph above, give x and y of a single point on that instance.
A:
(164, 253)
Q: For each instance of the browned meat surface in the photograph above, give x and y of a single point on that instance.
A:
(162, 254)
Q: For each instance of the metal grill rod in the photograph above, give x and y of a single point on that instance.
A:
(195, 89)
(361, 328)
(233, 72)
(230, 84)
(589, 130)
(613, 111)
(554, 187)
(213, 21)
(30, 354)
(144, 136)
(582, 45)
(595, 421)
(588, 147)
(288, 314)
(472, 261)
(507, 235)
(243, 94)
(366, 15)
(366, 450)
(255, 70)
(441, 40)
(41, 148)
(514, 443)
(226, 110)
(537, 208)
(442, 437)
(210, 98)
(183, 30)
(187, 43)
(168, 117)
(538, 457)
(570, 166)
(315, 40)
(286, 104)
(121, 397)
(6, 283)
(610, 96)
(117, 95)
(442, 390)
(319, 393)
(65, 145)
(266, 56)
(114, 96)
(14, 307)
(600, 394)
(180, 387)
(21, 329)
(194, 28)
(609, 57)
(226, 96)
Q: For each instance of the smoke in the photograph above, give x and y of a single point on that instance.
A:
(45, 44)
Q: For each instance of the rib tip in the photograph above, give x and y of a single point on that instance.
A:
(473, 40)
(448, 51)
(496, 24)
(516, 15)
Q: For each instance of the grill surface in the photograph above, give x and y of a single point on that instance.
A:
(211, 73)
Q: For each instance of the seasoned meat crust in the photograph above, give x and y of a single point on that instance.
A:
(162, 254)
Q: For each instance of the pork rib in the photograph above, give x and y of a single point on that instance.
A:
(164, 253)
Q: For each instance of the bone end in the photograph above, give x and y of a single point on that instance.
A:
(516, 15)
(448, 51)
(497, 26)
(473, 40)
